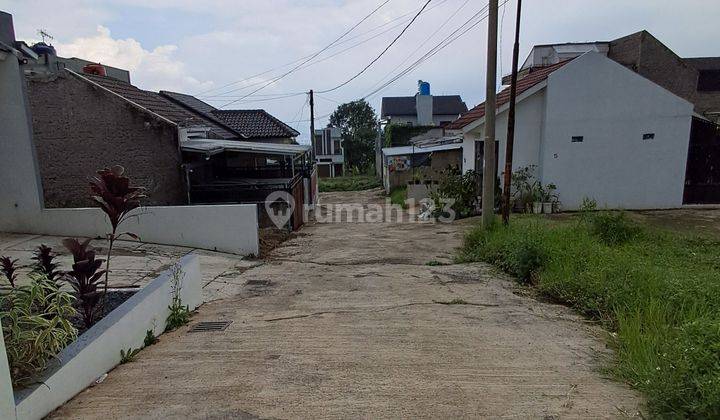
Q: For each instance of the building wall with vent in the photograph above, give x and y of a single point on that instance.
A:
(79, 128)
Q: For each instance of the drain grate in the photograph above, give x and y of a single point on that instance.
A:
(210, 326)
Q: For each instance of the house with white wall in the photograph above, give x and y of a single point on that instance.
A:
(329, 152)
(422, 109)
(595, 129)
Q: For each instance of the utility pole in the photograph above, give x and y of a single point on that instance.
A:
(488, 191)
(511, 122)
(312, 125)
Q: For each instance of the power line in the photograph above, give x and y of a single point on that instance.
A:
(381, 54)
(346, 40)
(422, 44)
(314, 55)
(457, 33)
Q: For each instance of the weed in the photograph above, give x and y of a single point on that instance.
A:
(179, 313)
(657, 290)
(150, 338)
(128, 356)
(435, 263)
(456, 301)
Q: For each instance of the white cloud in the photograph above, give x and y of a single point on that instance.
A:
(154, 69)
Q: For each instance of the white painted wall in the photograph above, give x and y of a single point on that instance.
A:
(98, 350)
(612, 107)
(227, 228)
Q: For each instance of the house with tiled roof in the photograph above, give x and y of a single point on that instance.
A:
(594, 129)
(254, 124)
(610, 121)
(181, 153)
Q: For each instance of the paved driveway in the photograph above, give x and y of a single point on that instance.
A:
(348, 320)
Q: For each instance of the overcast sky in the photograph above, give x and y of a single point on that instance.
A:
(198, 47)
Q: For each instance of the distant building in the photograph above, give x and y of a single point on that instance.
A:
(423, 109)
(329, 152)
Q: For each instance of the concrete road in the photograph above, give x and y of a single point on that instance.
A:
(347, 320)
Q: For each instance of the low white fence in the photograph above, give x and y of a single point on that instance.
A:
(229, 228)
(97, 351)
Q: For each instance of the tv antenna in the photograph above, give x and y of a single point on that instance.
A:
(45, 35)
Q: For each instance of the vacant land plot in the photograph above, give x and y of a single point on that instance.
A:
(657, 289)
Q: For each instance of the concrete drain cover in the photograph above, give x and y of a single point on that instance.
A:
(210, 326)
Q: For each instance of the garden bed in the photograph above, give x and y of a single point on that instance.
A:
(98, 349)
(657, 292)
(114, 298)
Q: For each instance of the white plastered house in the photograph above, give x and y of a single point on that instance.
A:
(595, 129)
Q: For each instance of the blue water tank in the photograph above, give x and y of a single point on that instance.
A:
(423, 88)
(42, 48)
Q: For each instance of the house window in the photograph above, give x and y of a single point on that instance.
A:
(648, 136)
(577, 139)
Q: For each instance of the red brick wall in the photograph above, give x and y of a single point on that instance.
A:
(644, 54)
(79, 128)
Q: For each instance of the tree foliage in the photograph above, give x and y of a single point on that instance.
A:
(357, 120)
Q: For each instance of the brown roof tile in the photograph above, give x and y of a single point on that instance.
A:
(536, 76)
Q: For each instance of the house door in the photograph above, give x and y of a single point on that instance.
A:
(702, 174)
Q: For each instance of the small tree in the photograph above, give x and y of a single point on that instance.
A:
(117, 198)
(358, 123)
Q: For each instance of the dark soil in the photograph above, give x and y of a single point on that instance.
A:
(115, 298)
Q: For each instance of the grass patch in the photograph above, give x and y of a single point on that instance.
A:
(349, 183)
(659, 291)
(435, 263)
(398, 196)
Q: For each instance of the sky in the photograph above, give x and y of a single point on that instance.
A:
(221, 50)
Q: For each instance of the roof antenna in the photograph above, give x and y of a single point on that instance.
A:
(45, 35)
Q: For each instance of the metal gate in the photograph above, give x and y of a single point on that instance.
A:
(702, 175)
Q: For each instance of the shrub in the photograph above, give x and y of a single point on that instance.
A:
(460, 190)
(349, 183)
(36, 326)
(398, 196)
(614, 228)
(85, 277)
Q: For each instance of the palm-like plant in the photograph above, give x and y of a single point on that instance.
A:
(9, 269)
(85, 277)
(117, 198)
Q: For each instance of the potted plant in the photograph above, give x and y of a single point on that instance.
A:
(548, 197)
(538, 194)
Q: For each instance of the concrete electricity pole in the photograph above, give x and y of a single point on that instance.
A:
(488, 191)
(509, 143)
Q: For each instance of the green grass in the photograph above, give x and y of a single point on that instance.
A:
(349, 183)
(398, 195)
(658, 291)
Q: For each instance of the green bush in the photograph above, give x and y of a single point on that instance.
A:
(659, 291)
(36, 326)
(398, 196)
(462, 189)
(349, 183)
(614, 227)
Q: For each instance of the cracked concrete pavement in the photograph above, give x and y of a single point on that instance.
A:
(348, 320)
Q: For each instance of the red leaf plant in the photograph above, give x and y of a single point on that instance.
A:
(117, 198)
(8, 267)
(85, 277)
(45, 264)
